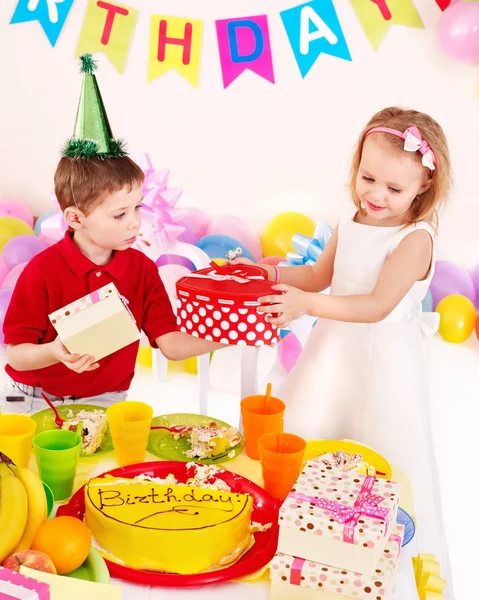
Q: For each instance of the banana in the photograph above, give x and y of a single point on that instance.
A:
(37, 505)
(13, 511)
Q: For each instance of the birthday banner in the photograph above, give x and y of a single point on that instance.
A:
(312, 29)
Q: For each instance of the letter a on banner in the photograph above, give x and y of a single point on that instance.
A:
(108, 27)
(244, 44)
(314, 29)
(377, 16)
(175, 43)
(51, 14)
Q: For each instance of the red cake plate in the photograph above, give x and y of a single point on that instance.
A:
(265, 510)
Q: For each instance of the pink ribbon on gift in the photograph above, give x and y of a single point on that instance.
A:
(366, 504)
(158, 204)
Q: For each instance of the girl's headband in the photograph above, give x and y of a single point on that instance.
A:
(413, 142)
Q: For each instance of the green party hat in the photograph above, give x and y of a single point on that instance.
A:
(92, 136)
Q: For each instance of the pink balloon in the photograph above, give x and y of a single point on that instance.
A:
(12, 208)
(239, 230)
(458, 31)
(289, 351)
(11, 279)
(196, 222)
(272, 260)
(169, 275)
(4, 269)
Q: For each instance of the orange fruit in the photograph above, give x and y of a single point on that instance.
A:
(66, 540)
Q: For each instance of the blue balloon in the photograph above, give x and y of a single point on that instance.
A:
(217, 245)
(38, 225)
(427, 302)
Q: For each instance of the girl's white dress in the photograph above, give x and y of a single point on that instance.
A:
(368, 382)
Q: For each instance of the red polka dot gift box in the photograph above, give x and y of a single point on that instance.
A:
(337, 517)
(295, 578)
(219, 304)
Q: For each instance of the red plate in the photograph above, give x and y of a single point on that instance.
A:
(265, 510)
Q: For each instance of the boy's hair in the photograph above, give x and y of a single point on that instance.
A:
(84, 184)
(426, 205)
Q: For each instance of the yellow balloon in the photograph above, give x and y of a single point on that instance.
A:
(191, 365)
(10, 227)
(277, 236)
(458, 318)
(220, 261)
(145, 357)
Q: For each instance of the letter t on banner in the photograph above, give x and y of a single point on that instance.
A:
(244, 44)
(175, 43)
(108, 27)
(314, 29)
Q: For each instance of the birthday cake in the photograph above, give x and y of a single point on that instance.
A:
(161, 525)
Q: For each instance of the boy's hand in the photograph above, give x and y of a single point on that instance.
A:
(75, 362)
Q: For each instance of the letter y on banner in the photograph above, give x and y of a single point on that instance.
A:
(313, 29)
(175, 43)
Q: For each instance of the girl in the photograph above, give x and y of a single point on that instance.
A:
(362, 373)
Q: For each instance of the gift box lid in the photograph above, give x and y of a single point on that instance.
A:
(317, 576)
(89, 300)
(228, 281)
(20, 587)
(341, 505)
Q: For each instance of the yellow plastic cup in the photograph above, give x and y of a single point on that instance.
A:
(129, 424)
(16, 437)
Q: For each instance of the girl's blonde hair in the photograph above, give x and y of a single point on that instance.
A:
(425, 206)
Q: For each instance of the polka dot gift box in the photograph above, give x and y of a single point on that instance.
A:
(219, 304)
(295, 578)
(340, 518)
(97, 324)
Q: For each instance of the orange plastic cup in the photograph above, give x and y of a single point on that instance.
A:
(256, 423)
(16, 437)
(281, 463)
(129, 424)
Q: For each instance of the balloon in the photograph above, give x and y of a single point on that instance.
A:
(4, 269)
(458, 30)
(145, 356)
(12, 208)
(11, 278)
(239, 230)
(220, 261)
(38, 223)
(10, 227)
(427, 302)
(277, 236)
(191, 365)
(196, 222)
(458, 318)
(188, 236)
(272, 260)
(169, 275)
(289, 351)
(218, 245)
(449, 279)
(174, 259)
(474, 275)
(21, 249)
(5, 297)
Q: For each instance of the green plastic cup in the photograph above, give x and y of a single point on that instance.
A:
(57, 453)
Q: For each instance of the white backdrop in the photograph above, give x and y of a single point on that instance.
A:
(254, 149)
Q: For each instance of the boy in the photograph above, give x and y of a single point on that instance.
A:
(99, 190)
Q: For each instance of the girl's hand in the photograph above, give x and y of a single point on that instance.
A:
(246, 261)
(241, 261)
(291, 305)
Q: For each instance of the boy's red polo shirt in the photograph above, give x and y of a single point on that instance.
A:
(61, 274)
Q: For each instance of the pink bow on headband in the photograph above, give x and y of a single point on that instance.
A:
(413, 142)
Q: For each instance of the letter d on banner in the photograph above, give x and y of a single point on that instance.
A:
(175, 44)
(244, 44)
